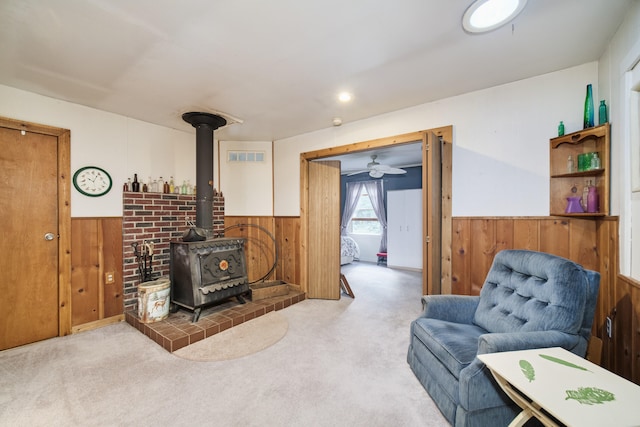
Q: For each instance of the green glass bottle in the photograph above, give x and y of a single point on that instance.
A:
(588, 108)
(602, 113)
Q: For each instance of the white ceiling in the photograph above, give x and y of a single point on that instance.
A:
(278, 65)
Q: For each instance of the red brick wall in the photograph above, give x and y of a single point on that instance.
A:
(157, 218)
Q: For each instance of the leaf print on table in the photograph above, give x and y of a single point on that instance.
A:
(563, 362)
(590, 395)
(527, 370)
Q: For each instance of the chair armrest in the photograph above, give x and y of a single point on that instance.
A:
(452, 308)
(512, 341)
(478, 388)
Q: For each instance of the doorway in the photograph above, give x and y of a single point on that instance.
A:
(35, 266)
(436, 199)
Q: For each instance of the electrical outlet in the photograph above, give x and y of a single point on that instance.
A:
(108, 278)
(609, 327)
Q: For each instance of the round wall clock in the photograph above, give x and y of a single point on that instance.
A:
(92, 181)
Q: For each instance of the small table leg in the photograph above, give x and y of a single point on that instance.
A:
(529, 409)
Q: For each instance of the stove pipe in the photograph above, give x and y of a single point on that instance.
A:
(205, 124)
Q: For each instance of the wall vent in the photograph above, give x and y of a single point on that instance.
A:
(245, 156)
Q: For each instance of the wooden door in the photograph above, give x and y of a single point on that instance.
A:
(323, 230)
(29, 245)
(432, 181)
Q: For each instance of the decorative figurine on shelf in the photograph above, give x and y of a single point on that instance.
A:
(573, 202)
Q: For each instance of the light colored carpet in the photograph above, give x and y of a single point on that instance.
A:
(341, 363)
(239, 341)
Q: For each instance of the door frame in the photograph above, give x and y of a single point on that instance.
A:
(64, 213)
(446, 135)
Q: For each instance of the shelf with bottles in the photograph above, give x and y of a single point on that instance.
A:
(564, 153)
(590, 172)
(158, 186)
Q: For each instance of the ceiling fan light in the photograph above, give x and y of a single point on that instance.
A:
(376, 174)
(487, 15)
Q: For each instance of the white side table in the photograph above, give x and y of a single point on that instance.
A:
(573, 390)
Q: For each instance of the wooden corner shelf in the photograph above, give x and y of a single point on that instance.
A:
(595, 139)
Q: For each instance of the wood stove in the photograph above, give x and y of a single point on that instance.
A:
(205, 270)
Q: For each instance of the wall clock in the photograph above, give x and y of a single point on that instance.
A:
(92, 181)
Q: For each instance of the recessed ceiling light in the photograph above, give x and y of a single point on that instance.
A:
(344, 97)
(486, 15)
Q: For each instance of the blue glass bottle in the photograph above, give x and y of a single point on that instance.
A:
(588, 108)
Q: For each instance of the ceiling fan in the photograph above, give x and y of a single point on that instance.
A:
(377, 170)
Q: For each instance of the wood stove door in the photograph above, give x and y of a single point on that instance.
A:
(29, 244)
(324, 230)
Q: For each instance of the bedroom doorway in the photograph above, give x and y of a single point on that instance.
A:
(436, 200)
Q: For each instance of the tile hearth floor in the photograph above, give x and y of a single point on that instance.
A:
(178, 330)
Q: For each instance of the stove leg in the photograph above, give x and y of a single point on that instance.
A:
(196, 314)
(241, 300)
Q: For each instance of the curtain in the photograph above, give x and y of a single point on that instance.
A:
(376, 194)
(354, 189)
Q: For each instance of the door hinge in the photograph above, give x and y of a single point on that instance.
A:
(428, 239)
(426, 147)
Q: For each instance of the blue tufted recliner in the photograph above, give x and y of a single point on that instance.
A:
(529, 300)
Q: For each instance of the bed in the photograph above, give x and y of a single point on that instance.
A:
(349, 250)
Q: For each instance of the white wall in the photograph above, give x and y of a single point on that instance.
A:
(247, 186)
(622, 54)
(120, 145)
(124, 146)
(501, 142)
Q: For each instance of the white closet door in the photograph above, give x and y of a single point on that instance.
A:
(404, 229)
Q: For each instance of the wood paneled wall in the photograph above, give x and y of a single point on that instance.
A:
(591, 243)
(96, 248)
(260, 249)
(476, 241)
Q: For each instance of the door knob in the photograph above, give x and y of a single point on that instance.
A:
(49, 236)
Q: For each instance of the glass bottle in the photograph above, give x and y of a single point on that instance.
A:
(585, 195)
(135, 185)
(570, 164)
(595, 161)
(602, 113)
(171, 185)
(561, 128)
(592, 199)
(588, 108)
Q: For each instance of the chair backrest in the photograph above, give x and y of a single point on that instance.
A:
(535, 291)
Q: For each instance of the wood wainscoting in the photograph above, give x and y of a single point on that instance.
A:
(96, 249)
(259, 249)
(592, 243)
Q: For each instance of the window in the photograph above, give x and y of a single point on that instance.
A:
(364, 220)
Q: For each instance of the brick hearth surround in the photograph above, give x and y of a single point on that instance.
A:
(178, 330)
(160, 218)
(157, 218)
